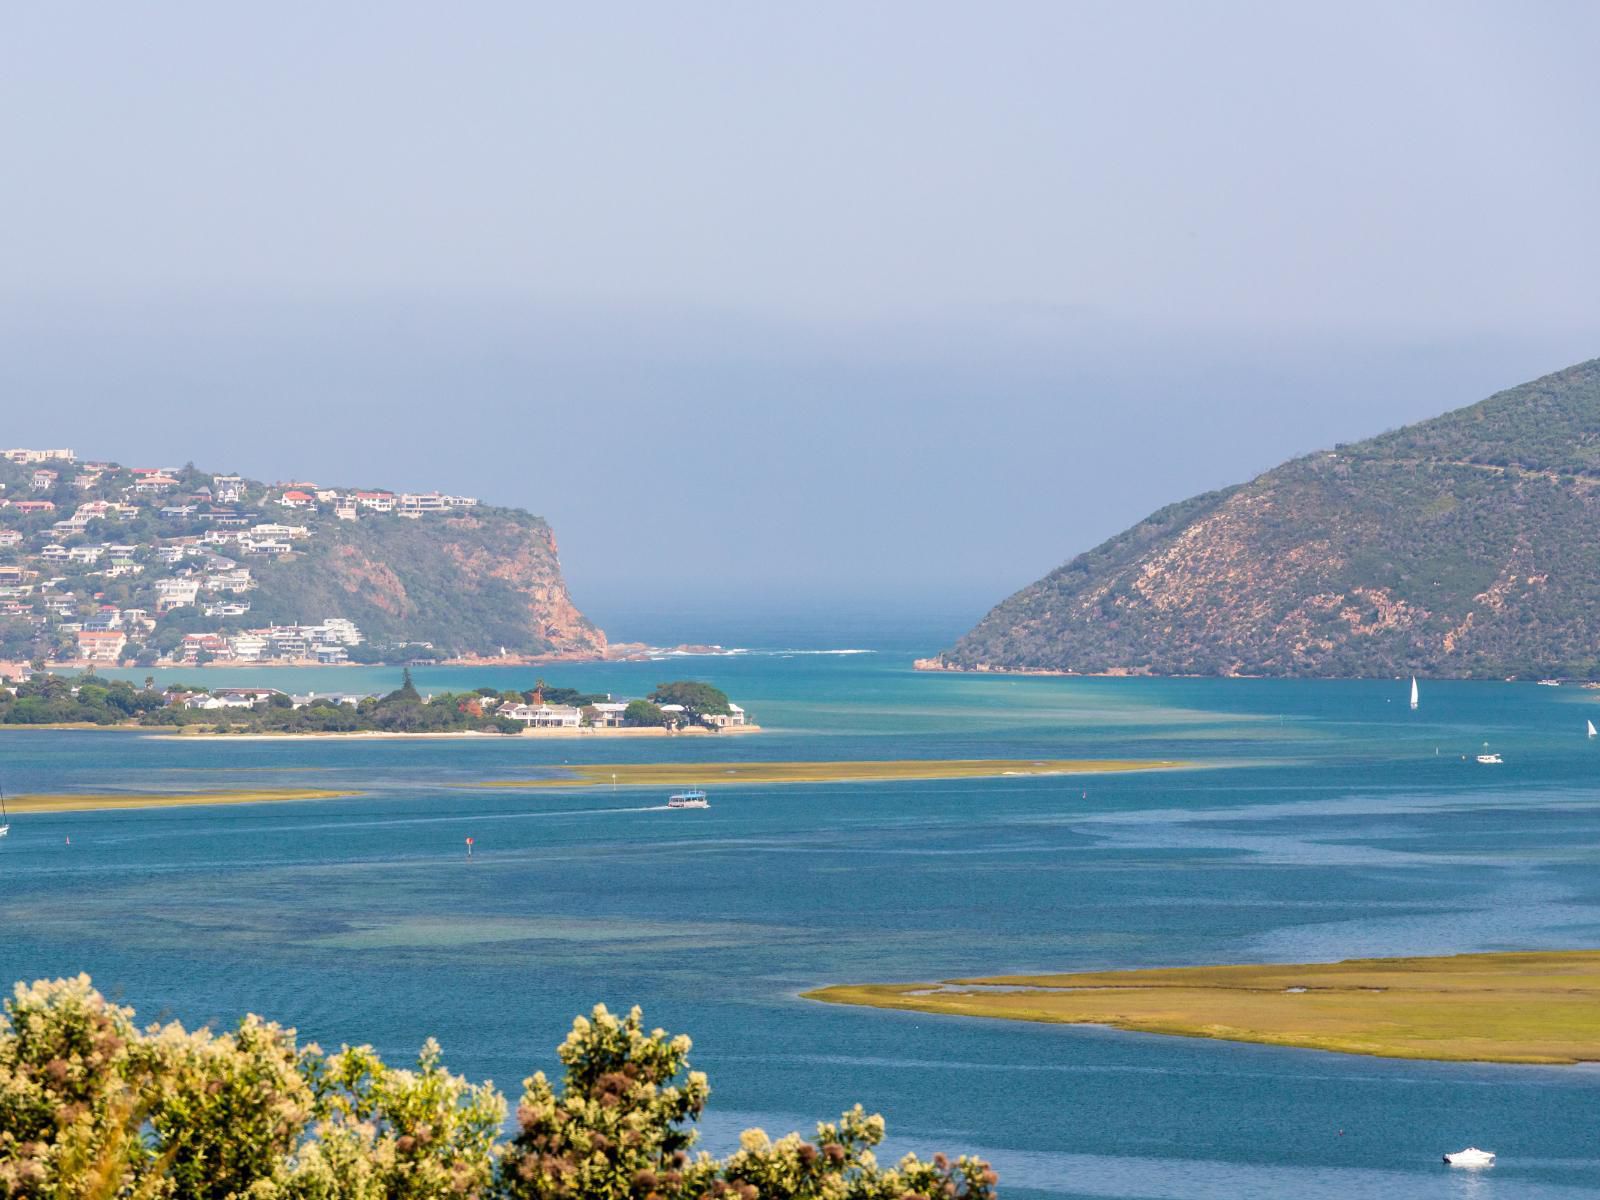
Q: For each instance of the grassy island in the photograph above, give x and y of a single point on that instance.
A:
(686, 774)
(1533, 1007)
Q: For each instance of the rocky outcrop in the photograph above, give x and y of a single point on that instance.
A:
(484, 585)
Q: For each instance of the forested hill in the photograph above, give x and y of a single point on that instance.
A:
(1465, 545)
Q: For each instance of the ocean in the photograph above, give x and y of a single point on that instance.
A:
(1328, 821)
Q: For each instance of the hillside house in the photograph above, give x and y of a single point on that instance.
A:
(44, 479)
(176, 593)
(29, 457)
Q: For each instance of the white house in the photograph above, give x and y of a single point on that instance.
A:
(608, 713)
(734, 716)
(543, 716)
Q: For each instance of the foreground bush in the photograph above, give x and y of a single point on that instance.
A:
(94, 1108)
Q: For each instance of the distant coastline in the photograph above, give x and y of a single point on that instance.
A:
(195, 731)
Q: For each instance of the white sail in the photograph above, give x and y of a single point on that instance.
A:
(1591, 728)
(1413, 691)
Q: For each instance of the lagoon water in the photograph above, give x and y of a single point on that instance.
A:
(1328, 822)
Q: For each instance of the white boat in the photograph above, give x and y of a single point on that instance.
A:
(1490, 758)
(693, 798)
(1590, 724)
(1471, 1157)
(1413, 691)
(5, 821)
(1549, 683)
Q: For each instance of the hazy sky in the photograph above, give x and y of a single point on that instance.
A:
(825, 303)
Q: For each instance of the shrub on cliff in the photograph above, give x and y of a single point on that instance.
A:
(94, 1108)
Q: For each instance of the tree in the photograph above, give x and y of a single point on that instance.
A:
(406, 693)
(92, 1106)
(643, 713)
(697, 698)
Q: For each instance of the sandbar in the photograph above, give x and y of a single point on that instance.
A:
(704, 774)
(1522, 1007)
(86, 801)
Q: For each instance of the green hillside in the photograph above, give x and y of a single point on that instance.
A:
(93, 550)
(1464, 546)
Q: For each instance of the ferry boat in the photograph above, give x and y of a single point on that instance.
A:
(693, 798)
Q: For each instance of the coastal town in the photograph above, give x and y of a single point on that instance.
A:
(156, 566)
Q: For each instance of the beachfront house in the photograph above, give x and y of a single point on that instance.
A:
(735, 716)
(607, 714)
(101, 646)
(543, 716)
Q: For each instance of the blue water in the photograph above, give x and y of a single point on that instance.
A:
(1329, 821)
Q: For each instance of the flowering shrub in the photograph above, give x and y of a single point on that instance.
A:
(94, 1108)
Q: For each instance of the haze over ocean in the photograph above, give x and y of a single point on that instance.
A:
(902, 304)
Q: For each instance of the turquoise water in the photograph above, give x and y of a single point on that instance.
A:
(1330, 822)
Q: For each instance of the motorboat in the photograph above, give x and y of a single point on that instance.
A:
(693, 798)
(1490, 758)
(1471, 1157)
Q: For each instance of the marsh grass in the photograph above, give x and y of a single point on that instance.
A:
(1533, 1007)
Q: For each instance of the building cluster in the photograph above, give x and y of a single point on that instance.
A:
(189, 542)
(607, 714)
(327, 644)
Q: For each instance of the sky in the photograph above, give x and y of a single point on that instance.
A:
(829, 307)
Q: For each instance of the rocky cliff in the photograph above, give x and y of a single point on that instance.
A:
(1461, 546)
(473, 584)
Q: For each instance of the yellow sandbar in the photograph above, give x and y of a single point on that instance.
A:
(1532, 1007)
(707, 773)
(80, 801)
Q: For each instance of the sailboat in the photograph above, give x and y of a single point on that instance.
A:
(1413, 692)
(5, 821)
(1590, 724)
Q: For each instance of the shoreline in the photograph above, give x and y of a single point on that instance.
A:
(375, 734)
(189, 733)
(1528, 1007)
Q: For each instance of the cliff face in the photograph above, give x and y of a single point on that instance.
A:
(1465, 545)
(470, 584)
